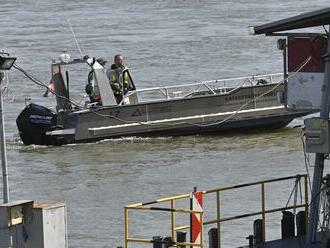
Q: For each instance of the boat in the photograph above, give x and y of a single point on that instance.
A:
(206, 107)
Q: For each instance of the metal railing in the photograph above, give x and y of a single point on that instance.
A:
(218, 86)
(173, 210)
(218, 220)
(263, 211)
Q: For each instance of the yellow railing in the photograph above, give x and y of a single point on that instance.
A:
(174, 228)
(263, 211)
(218, 220)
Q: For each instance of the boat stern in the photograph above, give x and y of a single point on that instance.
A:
(33, 123)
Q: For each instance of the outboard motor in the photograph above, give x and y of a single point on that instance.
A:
(33, 123)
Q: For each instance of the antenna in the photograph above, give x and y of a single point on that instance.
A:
(74, 36)
(71, 28)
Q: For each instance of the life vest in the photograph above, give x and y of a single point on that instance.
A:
(114, 75)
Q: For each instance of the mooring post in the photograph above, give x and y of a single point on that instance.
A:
(319, 157)
(3, 148)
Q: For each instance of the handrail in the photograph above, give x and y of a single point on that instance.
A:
(246, 77)
(173, 225)
(212, 81)
(177, 197)
(177, 210)
(254, 183)
(252, 214)
(223, 85)
(263, 211)
(218, 220)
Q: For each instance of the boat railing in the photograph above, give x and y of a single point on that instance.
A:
(218, 86)
(171, 203)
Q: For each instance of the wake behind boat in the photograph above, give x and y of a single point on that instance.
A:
(211, 106)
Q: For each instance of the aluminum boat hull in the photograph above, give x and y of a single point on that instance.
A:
(197, 114)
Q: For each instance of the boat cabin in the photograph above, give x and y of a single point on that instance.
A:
(98, 86)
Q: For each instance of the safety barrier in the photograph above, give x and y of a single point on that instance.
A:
(172, 210)
(201, 223)
(263, 210)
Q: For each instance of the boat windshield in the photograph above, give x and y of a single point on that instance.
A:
(82, 83)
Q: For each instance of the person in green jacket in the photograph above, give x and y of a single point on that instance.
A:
(113, 73)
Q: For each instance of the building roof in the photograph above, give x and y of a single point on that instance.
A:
(306, 20)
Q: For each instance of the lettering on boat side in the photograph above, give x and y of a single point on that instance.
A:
(241, 97)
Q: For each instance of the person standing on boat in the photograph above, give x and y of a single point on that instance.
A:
(114, 73)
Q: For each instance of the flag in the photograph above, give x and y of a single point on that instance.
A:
(50, 88)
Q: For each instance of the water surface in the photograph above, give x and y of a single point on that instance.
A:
(164, 43)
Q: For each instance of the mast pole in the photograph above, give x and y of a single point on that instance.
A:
(3, 150)
(319, 157)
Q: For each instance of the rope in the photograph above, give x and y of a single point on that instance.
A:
(39, 83)
(297, 185)
(306, 160)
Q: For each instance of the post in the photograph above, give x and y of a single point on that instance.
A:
(319, 157)
(126, 227)
(196, 219)
(306, 201)
(218, 219)
(285, 71)
(3, 149)
(191, 208)
(202, 229)
(315, 199)
(263, 212)
(173, 221)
